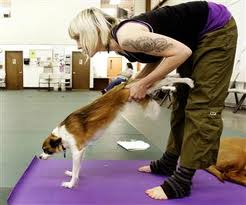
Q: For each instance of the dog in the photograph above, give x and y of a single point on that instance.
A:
(88, 123)
(231, 161)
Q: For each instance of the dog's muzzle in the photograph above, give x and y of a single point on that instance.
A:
(44, 156)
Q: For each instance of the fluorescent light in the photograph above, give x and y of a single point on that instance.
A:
(114, 2)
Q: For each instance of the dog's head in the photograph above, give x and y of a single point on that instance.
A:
(51, 145)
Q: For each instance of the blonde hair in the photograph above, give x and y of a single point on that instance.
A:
(89, 27)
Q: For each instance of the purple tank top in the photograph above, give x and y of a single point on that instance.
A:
(218, 16)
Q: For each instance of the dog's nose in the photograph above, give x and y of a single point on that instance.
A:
(40, 157)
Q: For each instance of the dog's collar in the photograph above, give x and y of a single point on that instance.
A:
(64, 151)
(58, 134)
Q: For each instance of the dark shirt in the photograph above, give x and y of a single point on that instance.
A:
(183, 22)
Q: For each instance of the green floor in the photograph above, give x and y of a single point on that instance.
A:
(28, 116)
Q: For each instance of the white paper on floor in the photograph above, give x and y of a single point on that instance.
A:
(133, 145)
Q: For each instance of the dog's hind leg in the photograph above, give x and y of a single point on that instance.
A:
(77, 157)
(170, 81)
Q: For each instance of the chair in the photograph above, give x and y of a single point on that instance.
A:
(55, 79)
(48, 68)
(65, 81)
(237, 86)
(2, 80)
(168, 90)
(44, 79)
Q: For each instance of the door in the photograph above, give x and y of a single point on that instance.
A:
(114, 66)
(14, 70)
(80, 71)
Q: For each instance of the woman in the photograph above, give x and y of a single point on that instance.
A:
(122, 77)
(199, 38)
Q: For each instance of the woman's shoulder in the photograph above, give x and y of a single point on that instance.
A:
(133, 23)
(130, 26)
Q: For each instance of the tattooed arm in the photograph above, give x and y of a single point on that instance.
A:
(136, 38)
(147, 44)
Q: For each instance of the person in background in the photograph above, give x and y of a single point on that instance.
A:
(123, 77)
(198, 39)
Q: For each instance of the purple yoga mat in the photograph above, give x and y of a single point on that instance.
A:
(112, 182)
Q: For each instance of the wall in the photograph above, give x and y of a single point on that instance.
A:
(99, 65)
(139, 6)
(26, 27)
(42, 24)
(41, 21)
(31, 72)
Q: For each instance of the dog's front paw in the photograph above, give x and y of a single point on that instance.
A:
(69, 185)
(68, 173)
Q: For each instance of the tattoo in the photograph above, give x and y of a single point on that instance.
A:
(147, 44)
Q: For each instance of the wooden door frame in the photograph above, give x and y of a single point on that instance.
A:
(88, 62)
(6, 69)
(113, 57)
(147, 5)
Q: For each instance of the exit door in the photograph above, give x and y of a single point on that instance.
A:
(80, 71)
(14, 70)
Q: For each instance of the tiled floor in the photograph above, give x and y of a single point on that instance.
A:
(27, 116)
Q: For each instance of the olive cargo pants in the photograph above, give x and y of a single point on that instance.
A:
(196, 123)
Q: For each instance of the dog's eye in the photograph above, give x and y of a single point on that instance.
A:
(50, 153)
(46, 151)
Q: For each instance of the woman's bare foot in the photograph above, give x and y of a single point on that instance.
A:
(145, 169)
(156, 193)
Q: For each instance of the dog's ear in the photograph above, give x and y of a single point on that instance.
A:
(55, 142)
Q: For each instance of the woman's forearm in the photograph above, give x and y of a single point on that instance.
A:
(166, 66)
(148, 68)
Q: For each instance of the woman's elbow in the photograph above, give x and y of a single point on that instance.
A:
(182, 52)
(187, 52)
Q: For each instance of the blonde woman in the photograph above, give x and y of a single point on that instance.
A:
(199, 38)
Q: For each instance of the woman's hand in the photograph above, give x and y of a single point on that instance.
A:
(137, 90)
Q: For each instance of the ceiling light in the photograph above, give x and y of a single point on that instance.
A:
(114, 2)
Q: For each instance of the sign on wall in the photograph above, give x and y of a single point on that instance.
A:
(32, 54)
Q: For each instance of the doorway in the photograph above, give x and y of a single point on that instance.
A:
(114, 66)
(80, 71)
(14, 70)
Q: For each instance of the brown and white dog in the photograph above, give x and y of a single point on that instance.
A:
(89, 122)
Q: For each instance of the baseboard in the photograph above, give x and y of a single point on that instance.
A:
(35, 88)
